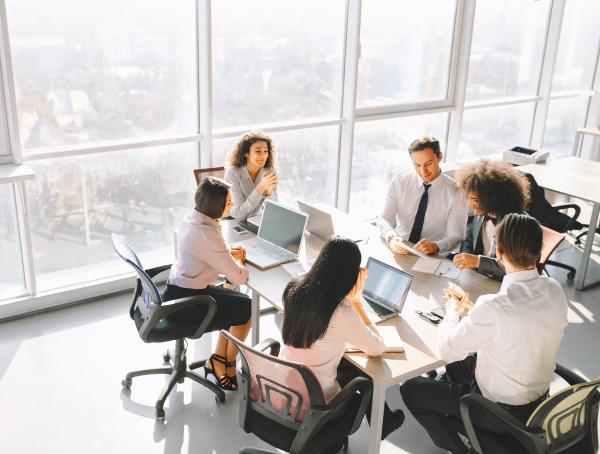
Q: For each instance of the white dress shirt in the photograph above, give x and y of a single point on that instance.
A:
(246, 201)
(325, 354)
(446, 216)
(516, 334)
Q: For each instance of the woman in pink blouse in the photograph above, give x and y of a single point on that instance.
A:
(202, 256)
(323, 313)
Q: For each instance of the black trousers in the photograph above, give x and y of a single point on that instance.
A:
(435, 404)
(346, 372)
(233, 308)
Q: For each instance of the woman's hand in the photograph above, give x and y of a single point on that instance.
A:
(267, 183)
(464, 260)
(238, 253)
(357, 289)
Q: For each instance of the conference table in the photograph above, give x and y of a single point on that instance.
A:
(579, 178)
(419, 337)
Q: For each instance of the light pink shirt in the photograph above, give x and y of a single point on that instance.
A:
(323, 356)
(203, 254)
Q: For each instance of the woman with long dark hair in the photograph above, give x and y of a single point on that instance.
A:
(251, 174)
(323, 312)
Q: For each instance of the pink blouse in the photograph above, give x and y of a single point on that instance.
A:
(324, 355)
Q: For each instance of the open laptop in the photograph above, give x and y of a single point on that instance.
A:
(279, 236)
(324, 224)
(385, 290)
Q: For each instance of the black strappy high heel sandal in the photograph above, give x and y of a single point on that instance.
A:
(232, 364)
(224, 381)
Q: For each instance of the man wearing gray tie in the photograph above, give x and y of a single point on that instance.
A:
(423, 207)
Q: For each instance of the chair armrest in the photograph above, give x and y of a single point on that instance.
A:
(573, 219)
(174, 306)
(365, 387)
(528, 437)
(572, 378)
(270, 344)
(153, 272)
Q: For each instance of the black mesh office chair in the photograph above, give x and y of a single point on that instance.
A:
(564, 422)
(551, 216)
(155, 323)
(283, 404)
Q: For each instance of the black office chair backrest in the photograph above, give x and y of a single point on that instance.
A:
(568, 416)
(150, 294)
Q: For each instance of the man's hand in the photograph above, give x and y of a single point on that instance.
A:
(427, 247)
(456, 295)
(464, 260)
(396, 246)
(238, 253)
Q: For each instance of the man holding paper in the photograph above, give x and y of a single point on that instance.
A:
(423, 207)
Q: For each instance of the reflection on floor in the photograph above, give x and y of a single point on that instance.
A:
(60, 375)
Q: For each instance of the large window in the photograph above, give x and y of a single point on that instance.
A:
(391, 70)
(381, 153)
(276, 61)
(75, 206)
(102, 70)
(11, 263)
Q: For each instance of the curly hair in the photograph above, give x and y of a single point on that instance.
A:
(237, 156)
(499, 188)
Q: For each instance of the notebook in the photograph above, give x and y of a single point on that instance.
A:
(279, 236)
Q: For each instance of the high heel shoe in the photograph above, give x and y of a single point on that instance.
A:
(224, 381)
(233, 379)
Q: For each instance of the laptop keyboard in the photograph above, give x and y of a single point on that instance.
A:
(271, 250)
(376, 308)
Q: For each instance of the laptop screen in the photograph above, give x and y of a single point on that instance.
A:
(282, 226)
(387, 284)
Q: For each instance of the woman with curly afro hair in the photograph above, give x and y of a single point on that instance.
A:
(492, 189)
(251, 174)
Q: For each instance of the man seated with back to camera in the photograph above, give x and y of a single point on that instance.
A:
(424, 206)
(514, 333)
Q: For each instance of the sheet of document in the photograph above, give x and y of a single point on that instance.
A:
(438, 267)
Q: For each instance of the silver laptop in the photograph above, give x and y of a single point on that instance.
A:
(324, 224)
(279, 236)
(385, 290)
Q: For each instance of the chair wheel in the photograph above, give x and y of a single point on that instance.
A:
(220, 398)
(181, 380)
(166, 357)
(160, 413)
(126, 383)
(570, 275)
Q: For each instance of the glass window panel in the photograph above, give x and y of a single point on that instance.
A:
(381, 153)
(578, 46)
(494, 129)
(306, 163)
(507, 48)
(405, 51)
(76, 203)
(564, 117)
(276, 61)
(12, 283)
(102, 69)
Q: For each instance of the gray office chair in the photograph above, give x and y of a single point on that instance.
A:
(564, 422)
(282, 403)
(155, 322)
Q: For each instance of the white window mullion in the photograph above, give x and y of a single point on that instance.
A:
(25, 237)
(351, 56)
(547, 73)
(463, 46)
(204, 30)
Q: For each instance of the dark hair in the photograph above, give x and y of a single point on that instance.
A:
(500, 188)
(422, 143)
(309, 302)
(519, 238)
(211, 197)
(237, 156)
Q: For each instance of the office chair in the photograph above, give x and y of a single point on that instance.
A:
(583, 234)
(155, 323)
(564, 422)
(201, 174)
(551, 216)
(283, 404)
(550, 242)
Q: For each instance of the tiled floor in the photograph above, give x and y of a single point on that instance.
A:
(60, 391)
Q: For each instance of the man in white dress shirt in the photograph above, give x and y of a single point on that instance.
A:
(424, 207)
(514, 333)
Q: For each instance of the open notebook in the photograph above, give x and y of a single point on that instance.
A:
(391, 338)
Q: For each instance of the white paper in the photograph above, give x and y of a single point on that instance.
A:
(438, 267)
